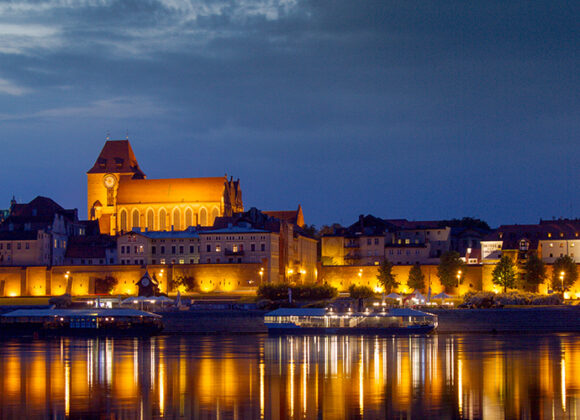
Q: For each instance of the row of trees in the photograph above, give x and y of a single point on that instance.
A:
(507, 275)
(451, 273)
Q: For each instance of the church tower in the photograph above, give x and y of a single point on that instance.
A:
(115, 162)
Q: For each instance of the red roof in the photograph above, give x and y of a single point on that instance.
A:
(117, 157)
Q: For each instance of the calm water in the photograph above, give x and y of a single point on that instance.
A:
(253, 377)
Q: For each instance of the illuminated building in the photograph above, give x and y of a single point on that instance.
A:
(37, 233)
(371, 240)
(158, 247)
(549, 239)
(121, 198)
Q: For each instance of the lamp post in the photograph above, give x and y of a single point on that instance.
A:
(458, 277)
(261, 275)
(562, 274)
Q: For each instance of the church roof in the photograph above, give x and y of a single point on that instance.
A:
(117, 157)
(291, 216)
(176, 190)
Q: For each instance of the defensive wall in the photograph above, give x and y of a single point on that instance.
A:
(80, 280)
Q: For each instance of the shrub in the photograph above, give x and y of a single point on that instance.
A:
(360, 292)
(300, 292)
(105, 285)
(490, 299)
(183, 284)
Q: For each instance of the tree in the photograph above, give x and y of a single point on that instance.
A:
(386, 277)
(504, 273)
(450, 270)
(105, 285)
(360, 292)
(183, 284)
(564, 272)
(416, 278)
(535, 272)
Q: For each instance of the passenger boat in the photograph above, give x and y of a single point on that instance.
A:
(322, 321)
(103, 322)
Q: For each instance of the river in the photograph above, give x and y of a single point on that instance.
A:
(317, 377)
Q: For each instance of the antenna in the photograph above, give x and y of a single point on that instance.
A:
(108, 135)
(127, 134)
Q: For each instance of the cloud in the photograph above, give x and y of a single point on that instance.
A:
(28, 38)
(112, 109)
(9, 88)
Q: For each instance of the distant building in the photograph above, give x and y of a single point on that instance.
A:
(371, 240)
(121, 198)
(37, 233)
(91, 250)
(549, 240)
(158, 247)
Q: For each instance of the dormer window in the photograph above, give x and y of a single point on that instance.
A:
(524, 245)
(102, 162)
(549, 235)
(119, 163)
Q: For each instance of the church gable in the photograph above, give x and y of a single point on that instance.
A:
(117, 157)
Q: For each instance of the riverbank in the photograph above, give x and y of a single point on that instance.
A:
(502, 320)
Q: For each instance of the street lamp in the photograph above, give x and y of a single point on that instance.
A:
(562, 274)
(261, 275)
(458, 277)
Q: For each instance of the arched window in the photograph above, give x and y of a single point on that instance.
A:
(135, 218)
(214, 213)
(162, 219)
(176, 219)
(150, 220)
(203, 217)
(188, 218)
(123, 220)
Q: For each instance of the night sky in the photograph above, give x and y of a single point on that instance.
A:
(402, 109)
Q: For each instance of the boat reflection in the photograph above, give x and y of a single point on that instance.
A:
(331, 377)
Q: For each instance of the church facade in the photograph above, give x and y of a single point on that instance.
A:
(121, 198)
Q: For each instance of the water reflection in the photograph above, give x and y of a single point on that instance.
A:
(330, 377)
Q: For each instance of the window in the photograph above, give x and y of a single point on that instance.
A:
(368, 241)
(27, 245)
(188, 218)
(162, 261)
(163, 249)
(123, 225)
(135, 218)
(153, 250)
(153, 261)
(252, 247)
(262, 247)
(235, 248)
(376, 241)
(176, 219)
(208, 248)
(191, 260)
(181, 261)
(181, 249)
(150, 220)
(162, 219)
(122, 249)
(218, 248)
(191, 249)
(173, 249)
(18, 245)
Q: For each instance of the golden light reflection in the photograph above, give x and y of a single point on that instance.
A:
(327, 377)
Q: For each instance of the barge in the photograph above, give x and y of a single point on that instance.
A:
(392, 321)
(92, 322)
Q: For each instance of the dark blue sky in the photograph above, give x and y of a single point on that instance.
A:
(401, 109)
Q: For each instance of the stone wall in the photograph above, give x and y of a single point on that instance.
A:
(342, 277)
(80, 280)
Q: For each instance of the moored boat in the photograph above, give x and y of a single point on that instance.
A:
(116, 321)
(323, 321)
